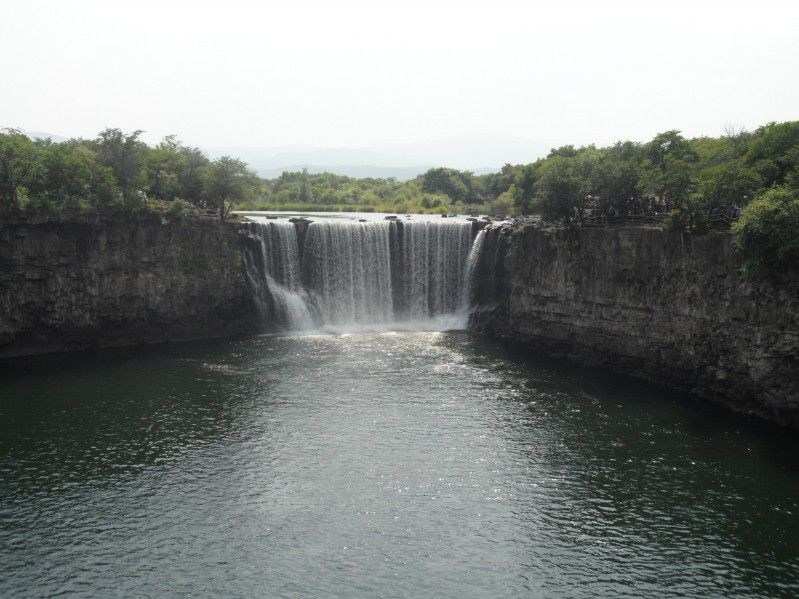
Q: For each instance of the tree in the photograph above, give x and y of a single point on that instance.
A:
(164, 165)
(305, 196)
(616, 174)
(18, 156)
(191, 174)
(174, 170)
(768, 232)
(668, 167)
(124, 155)
(227, 180)
(63, 177)
(730, 182)
(564, 152)
(560, 189)
(522, 189)
(448, 181)
(774, 152)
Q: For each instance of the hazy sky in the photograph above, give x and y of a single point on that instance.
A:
(352, 74)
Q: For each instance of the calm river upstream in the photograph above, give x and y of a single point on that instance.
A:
(381, 465)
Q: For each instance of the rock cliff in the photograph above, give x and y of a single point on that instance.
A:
(664, 306)
(87, 282)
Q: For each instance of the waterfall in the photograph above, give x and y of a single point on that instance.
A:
(274, 273)
(470, 290)
(348, 275)
(346, 268)
(486, 280)
(434, 258)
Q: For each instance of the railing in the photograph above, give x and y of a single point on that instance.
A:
(596, 217)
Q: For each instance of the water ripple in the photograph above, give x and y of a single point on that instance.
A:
(386, 465)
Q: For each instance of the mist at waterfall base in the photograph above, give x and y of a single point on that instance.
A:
(349, 275)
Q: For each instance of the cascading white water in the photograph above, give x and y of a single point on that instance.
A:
(473, 262)
(347, 270)
(348, 275)
(279, 276)
(434, 258)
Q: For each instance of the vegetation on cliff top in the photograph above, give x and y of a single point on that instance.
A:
(768, 232)
(117, 171)
(691, 179)
(687, 183)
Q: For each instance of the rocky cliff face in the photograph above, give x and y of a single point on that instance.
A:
(99, 282)
(664, 306)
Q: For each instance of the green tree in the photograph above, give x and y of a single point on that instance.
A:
(616, 174)
(191, 174)
(561, 189)
(667, 173)
(164, 166)
(305, 196)
(522, 189)
(227, 180)
(64, 175)
(774, 152)
(18, 158)
(730, 182)
(448, 181)
(563, 152)
(124, 154)
(768, 232)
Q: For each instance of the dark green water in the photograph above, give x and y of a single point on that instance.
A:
(381, 465)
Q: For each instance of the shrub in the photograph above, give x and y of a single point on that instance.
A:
(177, 208)
(768, 232)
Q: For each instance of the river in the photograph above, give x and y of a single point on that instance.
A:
(409, 464)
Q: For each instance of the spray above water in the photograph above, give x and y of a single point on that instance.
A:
(343, 276)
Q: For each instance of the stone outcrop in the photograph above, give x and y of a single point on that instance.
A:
(664, 306)
(88, 282)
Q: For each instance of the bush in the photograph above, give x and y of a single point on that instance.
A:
(689, 215)
(768, 232)
(503, 205)
(177, 208)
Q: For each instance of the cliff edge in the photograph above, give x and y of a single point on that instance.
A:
(666, 306)
(85, 282)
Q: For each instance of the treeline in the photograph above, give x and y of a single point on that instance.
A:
(751, 178)
(439, 190)
(117, 171)
(326, 191)
(691, 179)
(687, 178)
(686, 182)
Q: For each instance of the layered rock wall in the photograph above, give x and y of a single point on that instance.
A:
(88, 282)
(664, 306)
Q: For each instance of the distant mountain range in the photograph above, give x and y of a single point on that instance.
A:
(41, 135)
(478, 153)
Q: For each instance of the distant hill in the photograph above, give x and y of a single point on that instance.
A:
(478, 153)
(469, 152)
(400, 173)
(270, 162)
(42, 135)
